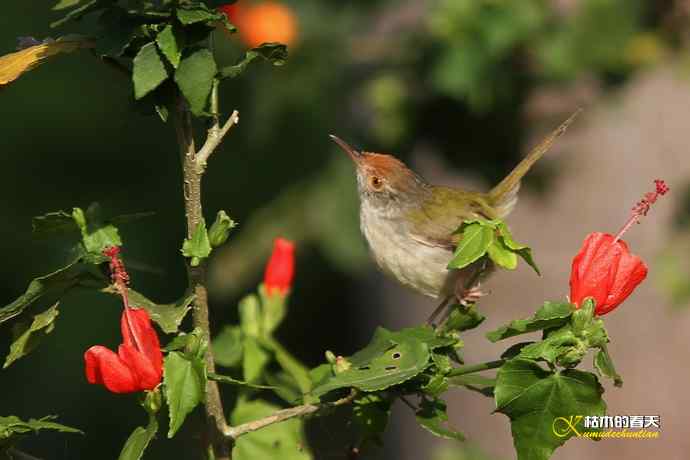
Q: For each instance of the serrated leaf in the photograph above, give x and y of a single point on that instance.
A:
(185, 387)
(432, 417)
(53, 222)
(168, 316)
(390, 359)
(520, 249)
(255, 359)
(548, 316)
(139, 440)
(79, 12)
(604, 365)
(275, 53)
(12, 426)
(52, 284)
(169, 45)
(502, 255)
(193, 14)
(118, 31)
(475, 242)
(534, 399)
(199, 246)
(96, 236)
(194, 76)
(281, 441)
(149, 70)
(29, 335)
(228, 346)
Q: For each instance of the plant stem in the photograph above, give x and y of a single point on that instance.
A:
(462, 370)
(286, 414)
(215, 415)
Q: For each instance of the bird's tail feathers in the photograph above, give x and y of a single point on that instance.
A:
(504, 195)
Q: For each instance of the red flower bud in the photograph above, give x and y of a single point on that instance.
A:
(605, 270)
(281, 267)
(138, 364)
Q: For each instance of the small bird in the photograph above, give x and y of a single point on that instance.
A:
(410, 225)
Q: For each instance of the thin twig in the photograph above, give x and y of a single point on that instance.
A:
(215, 136)
(286, 414)
(463, 370)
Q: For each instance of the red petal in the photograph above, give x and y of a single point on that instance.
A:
(631, 272)
(591, 274)
(281, 266)
(147, 375)
(141, 336)
(104, 367)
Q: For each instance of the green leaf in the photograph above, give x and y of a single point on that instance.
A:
(168, 316)
(548, 316)
(96, 236)
(79, 12)
(194, 76)
(463, 318)
(52, 284)
(502, 255)
(29, 335)
(64, 4)
(255, 359)
(53, 222)
(604, 365)
(139, 440)
(390, 359)
(476, 239)
(281, 441)
(370, 413)
(275, 53)
(185, 387)
(198, 247)
(233, 381)
(228, 346)
(192, 14)
(534, 399)
(149, 70)
(560, 347)
(12, 427)
(170, 45)
(290, 364)
(520, 249)
(432, 416)
(284, 386)
(220, 230)
(118, 31)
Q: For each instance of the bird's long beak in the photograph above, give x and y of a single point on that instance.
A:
(356, 155)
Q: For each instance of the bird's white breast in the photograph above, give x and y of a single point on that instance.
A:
(419, 266)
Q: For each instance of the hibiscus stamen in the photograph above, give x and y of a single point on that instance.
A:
(643, 206)
(120, 278)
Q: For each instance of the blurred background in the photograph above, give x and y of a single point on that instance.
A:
(459, 89)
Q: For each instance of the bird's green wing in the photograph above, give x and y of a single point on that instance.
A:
(436, 221)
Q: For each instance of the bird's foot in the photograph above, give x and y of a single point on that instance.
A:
(469, 296)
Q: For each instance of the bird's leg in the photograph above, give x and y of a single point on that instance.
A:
(438, 310)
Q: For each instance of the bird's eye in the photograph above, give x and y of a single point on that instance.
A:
(376, 182)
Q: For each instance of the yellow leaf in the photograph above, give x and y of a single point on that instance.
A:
(13, 65)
